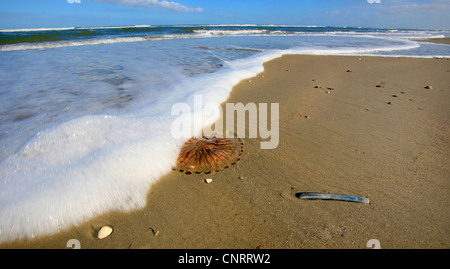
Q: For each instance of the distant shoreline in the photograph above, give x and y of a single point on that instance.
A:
(445, 40)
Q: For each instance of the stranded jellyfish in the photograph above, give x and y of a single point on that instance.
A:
(208, 154)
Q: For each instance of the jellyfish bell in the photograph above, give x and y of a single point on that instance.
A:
(208, 154)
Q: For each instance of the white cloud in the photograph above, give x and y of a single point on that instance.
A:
(169, 5)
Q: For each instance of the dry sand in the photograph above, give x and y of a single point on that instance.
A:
(388, 143)
(445, 40)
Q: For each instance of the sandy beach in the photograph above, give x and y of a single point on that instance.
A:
(366, 126)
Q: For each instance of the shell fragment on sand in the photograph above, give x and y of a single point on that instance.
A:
(329, 196)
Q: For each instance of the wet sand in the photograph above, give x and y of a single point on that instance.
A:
(363, 126)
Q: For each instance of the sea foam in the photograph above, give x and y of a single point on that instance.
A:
(91, 165)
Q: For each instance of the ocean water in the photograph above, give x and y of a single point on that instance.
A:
(85, 113)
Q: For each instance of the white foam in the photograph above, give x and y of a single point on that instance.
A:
(72, 28)
(404, 45)
(94, 164)
(78, 170)
(255, 25)
(48, 45)
(393, 34)
(36, 29)
(230, 32)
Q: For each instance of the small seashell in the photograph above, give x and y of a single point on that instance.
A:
(428, 87)
(208, 180)
(306, 117)
(249, 81)
(241, 177)
(327, 91)
(104, 232)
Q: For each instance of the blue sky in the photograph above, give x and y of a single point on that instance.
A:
(421, 14)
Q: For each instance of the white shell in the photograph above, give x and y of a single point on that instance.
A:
(104, 232)
(208, 180)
